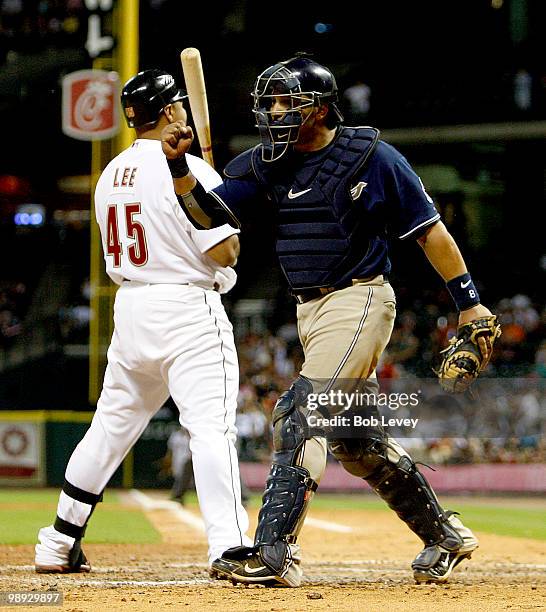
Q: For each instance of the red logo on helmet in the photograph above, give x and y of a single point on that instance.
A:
(90, 104)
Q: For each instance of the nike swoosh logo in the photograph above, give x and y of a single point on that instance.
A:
(357, 190)
(292, 195)
(465, 285)
(253, 570)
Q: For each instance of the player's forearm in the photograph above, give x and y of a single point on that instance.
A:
(442, 252)
(226, 252)
(183, 179)
(184, 185)
(204, 209)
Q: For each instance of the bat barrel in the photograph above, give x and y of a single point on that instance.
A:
(197, 95)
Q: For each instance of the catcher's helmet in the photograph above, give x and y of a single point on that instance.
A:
(305, 83)
(145, 95)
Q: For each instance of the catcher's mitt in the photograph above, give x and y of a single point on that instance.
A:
(463, 360)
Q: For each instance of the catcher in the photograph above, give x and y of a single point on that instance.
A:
(339, 192)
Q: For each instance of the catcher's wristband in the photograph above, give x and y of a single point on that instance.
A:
(178, 167)
(464, 293)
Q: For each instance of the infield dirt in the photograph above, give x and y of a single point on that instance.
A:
(366, 569)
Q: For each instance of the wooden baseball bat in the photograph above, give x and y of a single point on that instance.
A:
(195, 86)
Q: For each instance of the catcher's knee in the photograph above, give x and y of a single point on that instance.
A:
(363, 457)
(313, 458)
(290, 429)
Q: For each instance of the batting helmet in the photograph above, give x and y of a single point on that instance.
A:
(306, 83)
(145, 95)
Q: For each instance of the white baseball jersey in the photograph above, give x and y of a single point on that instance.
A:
(171, 337)
(146, 236)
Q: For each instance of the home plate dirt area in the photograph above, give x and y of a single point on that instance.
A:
(353, 560)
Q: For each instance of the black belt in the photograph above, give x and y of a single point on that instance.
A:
(306, 295)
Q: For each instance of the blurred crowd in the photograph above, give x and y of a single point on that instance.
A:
(268, 364)
(13, 304)
(424, 328)
(510, 433)
(525, 449)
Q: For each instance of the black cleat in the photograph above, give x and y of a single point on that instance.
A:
(282, 570)
(221, 569)
(435, 563)
(440, 572)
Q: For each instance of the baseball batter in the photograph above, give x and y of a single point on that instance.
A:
(340, 193)
(171, 337)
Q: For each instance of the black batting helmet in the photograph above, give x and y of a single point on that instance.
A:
(305, 83)
(145, 95)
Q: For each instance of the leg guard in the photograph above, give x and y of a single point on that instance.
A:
(398, 481)
(298, 465)
(390, 471)
(275, 558)
(356, 455)
(385, 465)
(290, 429)
(287, 495)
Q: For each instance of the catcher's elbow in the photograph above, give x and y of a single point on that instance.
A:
(422, 240)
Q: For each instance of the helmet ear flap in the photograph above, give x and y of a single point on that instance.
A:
(334, 117)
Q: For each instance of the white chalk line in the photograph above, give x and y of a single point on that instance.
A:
(66, 578)
(366, 575)
(191, 520)
(327, 525)
(148, 503)
(151, 583)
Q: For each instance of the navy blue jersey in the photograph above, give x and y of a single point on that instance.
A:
(394, 188)
(392, 200)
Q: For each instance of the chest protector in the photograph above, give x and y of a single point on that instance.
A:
(321, 229)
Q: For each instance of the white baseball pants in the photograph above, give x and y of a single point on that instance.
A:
(168, 340)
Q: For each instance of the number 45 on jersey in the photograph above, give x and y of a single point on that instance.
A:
(137, 251)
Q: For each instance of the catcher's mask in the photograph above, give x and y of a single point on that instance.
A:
(144, 97)
(305, 84)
